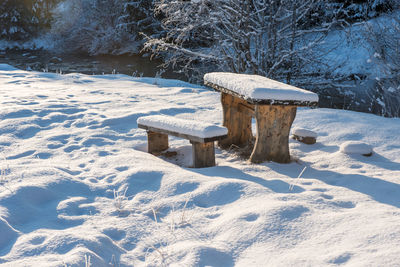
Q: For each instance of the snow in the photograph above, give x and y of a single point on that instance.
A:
(259, 87)
(183, 126)
(42, 42)
(355, 147)
(304, 132)
(76, 183)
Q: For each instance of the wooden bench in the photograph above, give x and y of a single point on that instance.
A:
(201, 135)
(272, 103)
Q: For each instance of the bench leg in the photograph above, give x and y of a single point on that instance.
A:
(156, 142)
(273, 126)
(238, 121)
(203, 154)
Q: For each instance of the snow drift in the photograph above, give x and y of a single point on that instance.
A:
(77, 185)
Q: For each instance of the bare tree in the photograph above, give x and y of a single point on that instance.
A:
(265, 37)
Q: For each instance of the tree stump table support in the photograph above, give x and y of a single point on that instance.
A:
(273, 127)
(273, 124)
(237, 118)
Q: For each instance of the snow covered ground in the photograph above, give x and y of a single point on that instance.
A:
(77, 186)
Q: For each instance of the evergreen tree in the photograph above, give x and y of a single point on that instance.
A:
(12, 20)
(349, 10)
(23, 19)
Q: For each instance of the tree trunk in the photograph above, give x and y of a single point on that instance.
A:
(238, 121)
(273, 126)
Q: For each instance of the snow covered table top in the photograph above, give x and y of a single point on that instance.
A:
(193, 130)
(257, 89)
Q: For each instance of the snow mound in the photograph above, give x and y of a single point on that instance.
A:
(304, 132)
(189, 127)
(259, 87)
(356, 147)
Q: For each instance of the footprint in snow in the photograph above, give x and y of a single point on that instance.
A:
(104, 153)
(60, 138)
(22, 155)
(326, 196)
(37, 240)
(220, 195)
(76, 206)
(345, 257)
(209, 256)
(26, 133)
(70, 172)
(114, 233)
(42, 96)
(122, 168)
(185, 187)
(336, 204)
(213, 216)
(251, 217)
(319, 189)
(71, 148)
(291, 213)
(344, 204)
(43, 155)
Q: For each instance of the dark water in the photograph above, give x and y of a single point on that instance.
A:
(40, 60)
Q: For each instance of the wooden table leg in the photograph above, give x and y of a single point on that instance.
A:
(203, 154)
(156, 142)
(237, 120)
(273, 126)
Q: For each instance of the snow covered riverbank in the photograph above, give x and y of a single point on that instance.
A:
(77, 183)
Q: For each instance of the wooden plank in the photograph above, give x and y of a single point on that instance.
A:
(254, 101)
(272, 140)
(203, 154)
(185, 136)
(237, 119)
(156, 142)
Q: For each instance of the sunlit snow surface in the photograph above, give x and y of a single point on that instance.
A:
(76, 181)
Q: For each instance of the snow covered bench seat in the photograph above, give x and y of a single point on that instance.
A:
(272, 103)
(202, 136)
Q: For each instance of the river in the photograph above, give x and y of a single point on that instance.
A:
(41, 60)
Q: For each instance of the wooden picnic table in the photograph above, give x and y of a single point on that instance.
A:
(272, 103)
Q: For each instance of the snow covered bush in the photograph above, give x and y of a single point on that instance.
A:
(384, 37)
(103, 26)
(83, 25)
